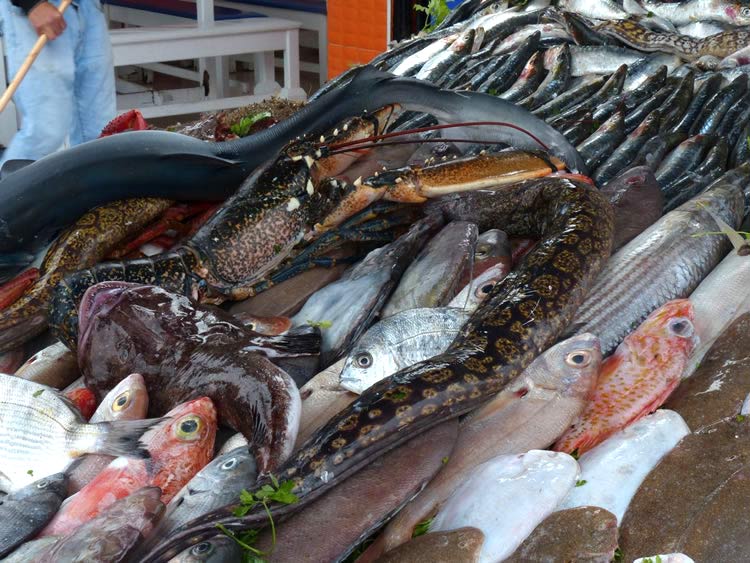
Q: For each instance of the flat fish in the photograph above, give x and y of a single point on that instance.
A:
(400, 341)
(109, 537)
(507, 498)
(708, 524)
(587, 534)
(612, 471)
(41, 433)
(381, 488)
(717, 389)
(431, 280)
(532, 412)
(26, 511)
(463, 544)
(347, 306)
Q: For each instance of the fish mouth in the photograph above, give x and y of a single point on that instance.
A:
(99, 299)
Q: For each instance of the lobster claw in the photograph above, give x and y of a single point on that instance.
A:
(129, 121)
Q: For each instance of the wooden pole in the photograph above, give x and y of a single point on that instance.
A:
(35, 50)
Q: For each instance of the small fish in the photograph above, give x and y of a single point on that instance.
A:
(127, 401)
(179, 448)
(507, 497)
(217, 484)
(400, 341)
(411, 65)
(619, 159)
(596, 148)
(55, 366)
(608, 472)
(601, 59)
(109, 537)
(431, 280)
(556, 80)
(41, 433)
(700, 29)
(26, 511)
(463, 544)
(637, 378)
(492, 248)
(218, 549)
(588, 533)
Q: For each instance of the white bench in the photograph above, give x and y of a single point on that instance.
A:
(211, 42)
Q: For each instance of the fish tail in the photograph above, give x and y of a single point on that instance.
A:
(124, 437)
(300, 341)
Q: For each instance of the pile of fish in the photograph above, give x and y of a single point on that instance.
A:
(498, 313)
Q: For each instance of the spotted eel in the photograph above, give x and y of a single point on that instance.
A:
(520, 318)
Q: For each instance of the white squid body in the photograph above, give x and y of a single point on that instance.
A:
(614, 469)
(507, 497)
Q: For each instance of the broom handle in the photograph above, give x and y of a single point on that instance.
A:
(38, 46)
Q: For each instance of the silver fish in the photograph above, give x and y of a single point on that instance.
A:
(442, 61)
(477, 290)
(642, 69)
(549, 32)
(344, 308)
(400, 341)
(662, 263)
(701, 29)
(600, 59)
(109, 537)
(41, 433)
(218, 549)
(684, 13)
(411, 64)
(54, 365)
(217, 484)
(432, 279)
(26, 511)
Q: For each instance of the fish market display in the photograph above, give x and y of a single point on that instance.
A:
(375, 327)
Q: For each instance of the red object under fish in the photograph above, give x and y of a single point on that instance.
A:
(84, 399)
(12, 290)
(129, 121)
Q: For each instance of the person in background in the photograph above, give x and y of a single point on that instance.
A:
(69, 91)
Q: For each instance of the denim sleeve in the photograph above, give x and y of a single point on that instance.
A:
(26, 5)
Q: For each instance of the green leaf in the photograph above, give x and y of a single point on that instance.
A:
(422, 528)
(284, 494)
(436, 11)
(30, 472)
(242, 128)
(574, 454)
(320, 324)
(445, 460)
(741, 417)
(581, 482)
(37, 393)
(618, 555)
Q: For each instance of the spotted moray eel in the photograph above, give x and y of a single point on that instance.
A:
(520, 318)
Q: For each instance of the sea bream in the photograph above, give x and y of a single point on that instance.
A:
(41, 433)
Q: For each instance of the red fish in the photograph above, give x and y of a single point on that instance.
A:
(84, 399)
(179, 447)
(637, 378)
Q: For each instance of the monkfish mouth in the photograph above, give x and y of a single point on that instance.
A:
(98, 300)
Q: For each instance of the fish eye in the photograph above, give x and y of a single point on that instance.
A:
(189, 427)
(42, 484)
(481, 251)
(681, 327)
(121, 401)
(228, 464)
(484, 291)
(363, 360)
(202, 548)
(251, 326)
(579, 359)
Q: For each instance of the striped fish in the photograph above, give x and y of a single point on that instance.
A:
(41, 433)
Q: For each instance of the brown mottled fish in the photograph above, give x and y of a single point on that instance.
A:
(587, 534)
(462, 544)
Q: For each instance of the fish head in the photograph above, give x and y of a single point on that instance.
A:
(237, 464)
(493, 243)
(736, 12)
(187, 437)
(128, 400)
(368, 363)
(668, 331)
(217, 548)
(54, 487)
(569, 369)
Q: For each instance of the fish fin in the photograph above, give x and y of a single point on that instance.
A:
(10, 166)
(124, 437)
(300, 341)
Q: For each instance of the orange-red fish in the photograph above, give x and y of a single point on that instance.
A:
(179, 448)
(637, 378)
(84, 399)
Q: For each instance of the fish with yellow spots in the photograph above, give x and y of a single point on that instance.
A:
(637, 378)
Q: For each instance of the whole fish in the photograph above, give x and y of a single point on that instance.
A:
(700, 29)
(218, 549)
(655, 149)
(637, 200)
(54, 366)
(109, 537)
(664, 262)
(717, 389)
(558, 64)
(709, 118)
(411, 64)
(685, 13)
(596, 148)
(550, 33)
(507, 497)
(213, 356)
(642, 69)
(600, 59)
(608, 472)
(463, 544)
(709, 523)
(26, 511)
(217, 484)
(431, 280)
(625, 153)
(41, 434)
(400, 341)
(346, 307)
(530, 413)
(637, 378)
(570, 97)
(179, 448)
(705, 92)
(675, 106)
(587, 533)
(441, 61)
(127, 401)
